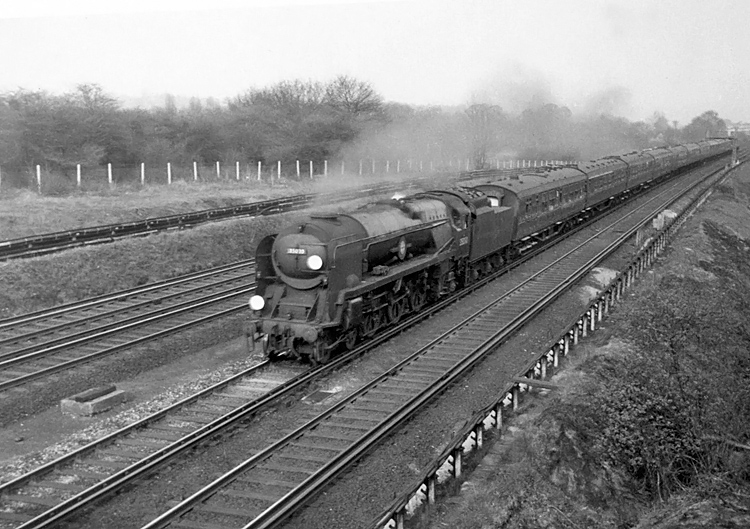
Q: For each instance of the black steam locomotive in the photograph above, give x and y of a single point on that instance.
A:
(328, 281)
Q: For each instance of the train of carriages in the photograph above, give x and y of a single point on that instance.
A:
(328, 281)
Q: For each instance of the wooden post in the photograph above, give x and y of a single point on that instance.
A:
(78, 175)
(143, 174)
(109, 173)
(39, 179)
(169, 173)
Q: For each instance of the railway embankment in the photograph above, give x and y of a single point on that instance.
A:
(651, 426)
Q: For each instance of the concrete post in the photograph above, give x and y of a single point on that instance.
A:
(39, 179)
(109, 174)
(169, 173)
(218, 169)
(259, 167)
(195, 171)
(78, 175)
(457, 456)
(143, 174)
(237, 170)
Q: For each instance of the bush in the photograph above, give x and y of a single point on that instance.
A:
(657, 411)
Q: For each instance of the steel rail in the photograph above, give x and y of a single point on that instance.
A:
(97, 331)
(35, 245)
(558, 344)
(105, 490)
(98, 354)
(284, 506)
(135, 471)
(120, 295)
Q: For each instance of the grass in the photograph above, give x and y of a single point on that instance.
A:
(28, 285)
(24, 212)
(558, 471)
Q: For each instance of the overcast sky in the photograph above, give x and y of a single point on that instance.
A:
(627, 57)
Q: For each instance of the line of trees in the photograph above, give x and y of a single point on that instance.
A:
(302, 120)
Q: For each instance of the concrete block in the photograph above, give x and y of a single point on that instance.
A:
(94, 400)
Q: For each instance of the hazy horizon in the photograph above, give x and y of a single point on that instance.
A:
(625, 58)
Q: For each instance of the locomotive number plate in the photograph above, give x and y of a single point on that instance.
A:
(296, 251)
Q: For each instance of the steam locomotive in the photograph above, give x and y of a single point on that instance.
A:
(332, 279)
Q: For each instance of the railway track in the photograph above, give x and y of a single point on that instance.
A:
(43, 244)
(40, 344)
(37, 492)
(269, 486)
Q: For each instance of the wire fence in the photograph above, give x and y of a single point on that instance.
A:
(46, 180)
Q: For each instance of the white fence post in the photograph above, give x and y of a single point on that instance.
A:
(218, 170)
(195, 170)
(143, 174)
(278, 169)
(109, 173)
(78, 175)
(237, 167)
(169, 173)
(297, 168)
(325, 167)
(259, 164)
(311, 168)
(39, 179)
